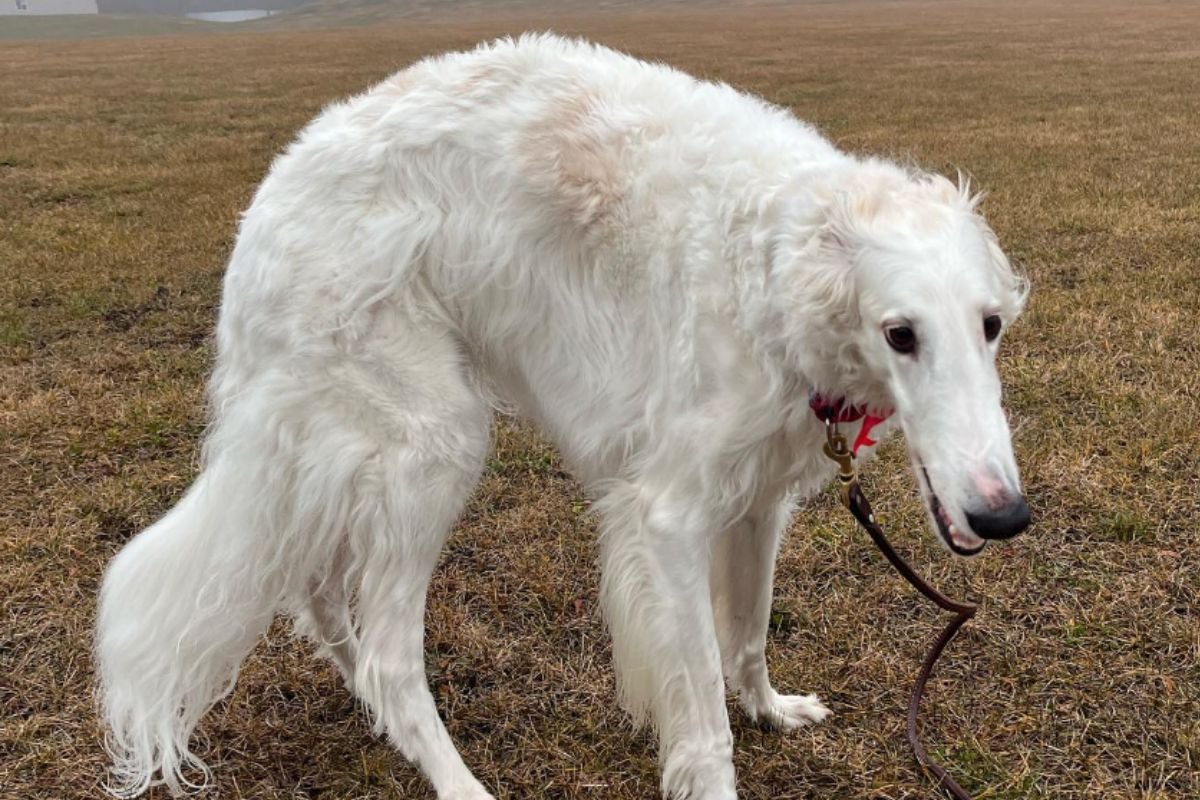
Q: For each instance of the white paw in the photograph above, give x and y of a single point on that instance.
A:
(786, 712)
(699, 771)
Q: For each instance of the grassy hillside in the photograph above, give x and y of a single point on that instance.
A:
(124, 164)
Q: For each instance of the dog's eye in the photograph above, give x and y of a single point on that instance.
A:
(901, 338)
(991, 327)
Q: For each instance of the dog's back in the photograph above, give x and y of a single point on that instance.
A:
(521, 188)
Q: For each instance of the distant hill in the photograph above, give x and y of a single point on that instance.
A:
(351, 12)
(151, 17)
(180, 8)
(99, 26)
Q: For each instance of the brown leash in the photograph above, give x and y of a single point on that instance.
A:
(854, 499)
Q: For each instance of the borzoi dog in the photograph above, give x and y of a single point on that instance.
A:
(659, 273)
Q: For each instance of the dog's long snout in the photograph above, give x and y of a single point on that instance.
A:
(1001, 523)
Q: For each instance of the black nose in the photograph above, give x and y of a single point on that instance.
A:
(1003, 524)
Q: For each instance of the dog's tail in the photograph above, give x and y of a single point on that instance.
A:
(179, 611)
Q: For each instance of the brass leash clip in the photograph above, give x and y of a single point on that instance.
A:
(837, 449)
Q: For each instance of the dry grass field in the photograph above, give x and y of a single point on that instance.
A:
(123, 166)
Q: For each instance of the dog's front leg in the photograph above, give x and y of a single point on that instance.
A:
(742, 575)
(656, 598)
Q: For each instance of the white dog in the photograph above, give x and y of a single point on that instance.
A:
(658, 272)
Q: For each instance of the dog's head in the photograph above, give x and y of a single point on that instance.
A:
(918, 302)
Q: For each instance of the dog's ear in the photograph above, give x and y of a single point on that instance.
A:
(852, 210)
(1012, 279)
(832, 288)
(953, 194)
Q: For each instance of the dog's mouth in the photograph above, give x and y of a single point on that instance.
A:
(960, 542)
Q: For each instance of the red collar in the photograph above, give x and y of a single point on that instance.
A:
(836, 411)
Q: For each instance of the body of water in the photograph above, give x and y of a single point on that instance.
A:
(240, 15)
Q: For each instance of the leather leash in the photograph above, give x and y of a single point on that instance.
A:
(853, 498)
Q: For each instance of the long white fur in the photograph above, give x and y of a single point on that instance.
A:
(657, 272)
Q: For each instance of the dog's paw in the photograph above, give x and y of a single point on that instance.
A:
(699, 771)
(786, 712)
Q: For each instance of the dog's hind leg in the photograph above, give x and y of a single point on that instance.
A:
(742, 575)
(325, 617)
(425, 475)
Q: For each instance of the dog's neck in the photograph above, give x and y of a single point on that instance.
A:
(795, 296)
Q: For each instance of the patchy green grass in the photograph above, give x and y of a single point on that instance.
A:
(124, 164)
